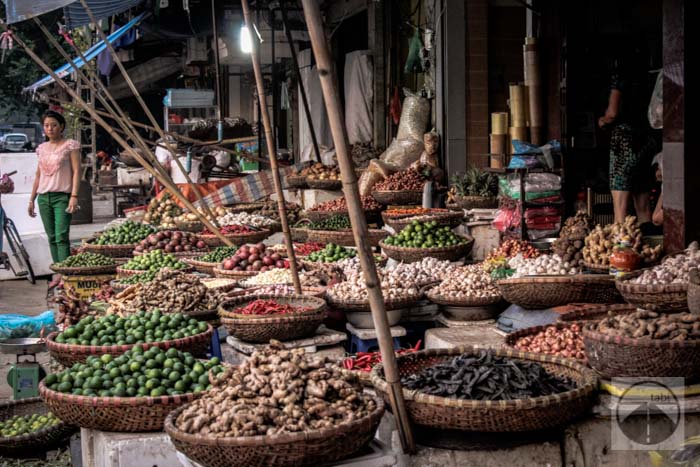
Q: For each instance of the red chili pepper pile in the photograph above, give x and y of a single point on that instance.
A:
(365, 361)
(269, 307)
(303, 249)
(230, 229)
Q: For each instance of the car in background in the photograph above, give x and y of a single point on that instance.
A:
(15, 142)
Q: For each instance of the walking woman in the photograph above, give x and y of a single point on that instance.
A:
(56, 184)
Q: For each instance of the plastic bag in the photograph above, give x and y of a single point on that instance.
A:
(369, 178)
(506, 219)
(655, 113)
(401, 153)
(415, 116)
(14, 326)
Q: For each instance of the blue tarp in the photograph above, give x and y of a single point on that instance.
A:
(90, 54)
(76, 16)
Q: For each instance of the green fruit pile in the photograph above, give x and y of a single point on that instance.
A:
(142, 278)
(139, 328)
(86, 260)
(126, 234)
(332, 253)
(154, 372)
(154, 261)
(337, 222)
(218, 254)
(24, 424)
(425, 235)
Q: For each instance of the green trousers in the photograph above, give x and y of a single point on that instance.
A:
(52, 208)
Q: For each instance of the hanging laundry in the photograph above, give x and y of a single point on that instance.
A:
(105, 63)
(6, 43)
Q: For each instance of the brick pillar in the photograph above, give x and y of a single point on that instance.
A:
(477, 111)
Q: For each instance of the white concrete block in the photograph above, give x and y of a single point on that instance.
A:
(135, 176)
(311, 198)
(478, 336)
(106, 449)
(25, 164)
(15, 206)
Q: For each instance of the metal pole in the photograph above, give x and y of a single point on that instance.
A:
(326, 72)
(302, 89)
(272, 153)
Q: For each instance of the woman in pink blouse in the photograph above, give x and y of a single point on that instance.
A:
(57, 181)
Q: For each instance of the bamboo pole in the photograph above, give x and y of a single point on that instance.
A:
(81, 103)
(326, 72)
(272, 153)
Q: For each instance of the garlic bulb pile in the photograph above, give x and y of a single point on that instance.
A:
(545, 265)
(467, 282)
(424, 271)
(673, 269)
(354, 288)
(273, 276)
(243, 218)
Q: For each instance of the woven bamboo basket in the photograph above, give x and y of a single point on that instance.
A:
(237, 239)
(596, 312)
(669, 298)
(399, 198)
(280, 327)
(283, 450)
(118, 287)
(180, 254)
(84, 271)
(345, 237)
(200, 266)
(619, 356)
(318, 216)
(412, 255)
(189, 226)
(119, 414)
(68, 354)
(454, 207)
(332, 185)
(296, 181)
(298, 234)
(363, 305)
(477, 202)
(451, 219)
(246, 207)
(434, 297)
(518, 415)
(113, 251)
(513, 338)
(230, 285)
(32, 443)
(538, 292)
(694, 291)
(596, 268)
(122, 272)
(219, 272)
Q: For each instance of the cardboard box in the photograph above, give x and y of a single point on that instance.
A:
(85, 286)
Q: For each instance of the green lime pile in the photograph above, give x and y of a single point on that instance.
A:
(332, 253)
(154, 261)
(25, 424)
(218, 254)
(337, 222)
(138, 372)
(142, 278)
(139, 328)
(125, 234)
(86, 260)
(425, 235)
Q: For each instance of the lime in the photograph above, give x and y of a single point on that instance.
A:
(65, 387)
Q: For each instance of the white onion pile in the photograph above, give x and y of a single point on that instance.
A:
(467, 282)
(423, 272)
(243, 218)
(673, 269)
(354, 288)
(545, 265)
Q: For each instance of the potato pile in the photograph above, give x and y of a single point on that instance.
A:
(545, 265)
(652, 325)
(319, 171)
(571, 239)
(566, 342)
(354, 289)
(465, 283)
(191, 218)
(673, 269)
(277, 391)
(162, 212)
(600, 242)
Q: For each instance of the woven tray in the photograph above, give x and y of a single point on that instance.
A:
(246, 207)
(538, 292)
(671, 298)
(476, 202)
(694, 292)
(296, 181)
(298, 234)
(333, 185)
(122, 272)
(620, 356)
(200, 266)
(514, 337)
(31, 443)
(345, 237)
(119, 414)
(218, 272)
(596, 312)
(471, 301)
(84, 271)
(596, 268)
(68, 354)
(451, 219)
(363, 305)
(237, 239)
(280, 327)
(519, 415)
(113, 251)
(289, 449)
(403, 197)
(189, 226)
(412, 255)
(221, 288)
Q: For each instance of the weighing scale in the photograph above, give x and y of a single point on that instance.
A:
(26, 372)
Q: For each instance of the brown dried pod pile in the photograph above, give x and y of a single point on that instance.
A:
(652, 325)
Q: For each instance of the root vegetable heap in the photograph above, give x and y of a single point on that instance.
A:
(171, 242)
(256, 258)
(567, 342)
(571, 239)
(340, 204)
(599, 244)
(409, 179)
(652, 325)
(277, 391)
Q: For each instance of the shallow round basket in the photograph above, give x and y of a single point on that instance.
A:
(68, 354)
(345, 237)
(180, 254)
(298, 234)
(519, 415)
(538, 292)
(451, 219)
(434, 297)
(363, 305)
(412, 255)
(84, 271)
(200, 266)
(512, 339)
(113, 251)
(596, 268)
(694, 291)
(333, 185)
(123, 272)
(219, 272)
(313, 447)
(189, 226)
(619, 356)
(228, 286)
(669, 298)
(399, 198)
(596, 312)
(118, 287)
(251, 328)
(237, 239)
(297, 181)
(40, 441)
(318, 216)
(477, 202)
(245, 207)
(119, 414)
(454, 207)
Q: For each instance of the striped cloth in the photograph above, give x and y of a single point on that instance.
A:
(247, 189)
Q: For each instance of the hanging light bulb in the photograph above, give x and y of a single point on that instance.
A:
(245, 40)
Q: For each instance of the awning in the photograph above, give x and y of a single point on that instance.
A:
(91, 53)
(19, 10)
(76, 16)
